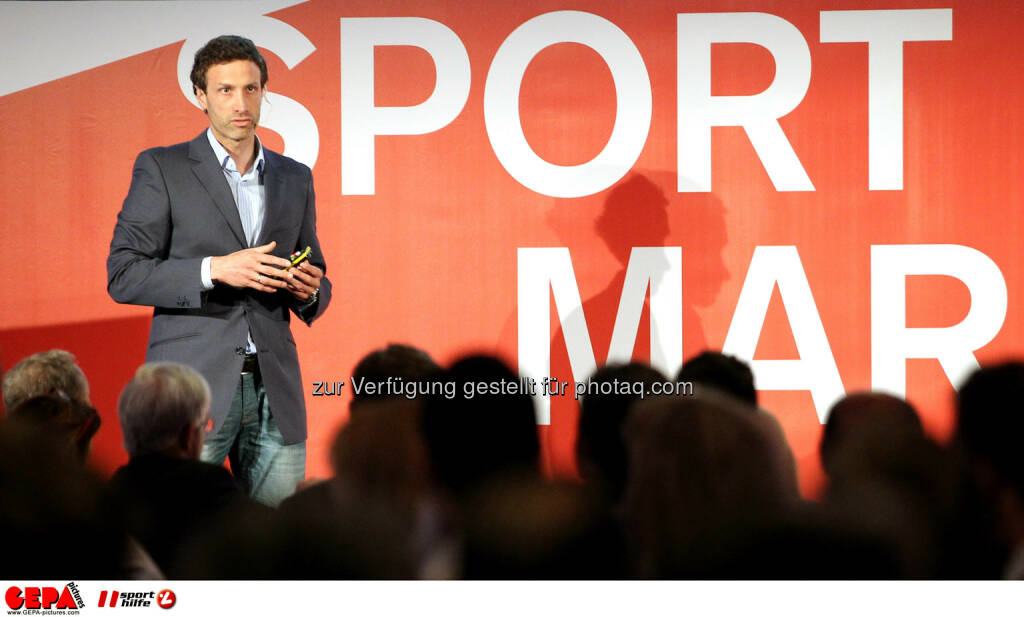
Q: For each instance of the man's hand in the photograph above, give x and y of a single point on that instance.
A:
(255, 268)
(303, 280)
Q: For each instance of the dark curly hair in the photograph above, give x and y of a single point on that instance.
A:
(225, 48)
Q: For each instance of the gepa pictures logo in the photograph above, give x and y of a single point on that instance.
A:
(46, 598)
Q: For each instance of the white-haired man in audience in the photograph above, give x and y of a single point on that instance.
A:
(46, 372)
(163, 410)
(167, 493)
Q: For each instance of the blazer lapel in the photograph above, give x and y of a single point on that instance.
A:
(211, 176)
(273, 204)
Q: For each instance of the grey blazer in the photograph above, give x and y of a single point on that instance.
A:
(179, 210)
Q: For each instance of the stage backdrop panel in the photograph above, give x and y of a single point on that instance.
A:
(827, 189)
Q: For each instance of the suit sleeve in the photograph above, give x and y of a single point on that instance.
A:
(139, 267)
(308, 237)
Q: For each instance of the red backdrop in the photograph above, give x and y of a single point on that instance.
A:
(430, 258)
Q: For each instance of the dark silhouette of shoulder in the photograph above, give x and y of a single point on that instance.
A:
(166, 501)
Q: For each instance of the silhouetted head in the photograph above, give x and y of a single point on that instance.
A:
(600, 449)
(887, 477)
(990, 421)
(400, 371)
(482, 426)
(381, 456)
(66, 421)
(726, 373)
(858, 423)
(699, 466)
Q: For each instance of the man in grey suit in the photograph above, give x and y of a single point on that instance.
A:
(203, 237)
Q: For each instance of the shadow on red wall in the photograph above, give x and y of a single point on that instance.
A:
(109, 352)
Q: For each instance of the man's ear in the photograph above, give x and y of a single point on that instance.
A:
(201, 97)
(190, 440)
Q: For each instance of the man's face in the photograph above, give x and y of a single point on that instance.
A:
(232, 100)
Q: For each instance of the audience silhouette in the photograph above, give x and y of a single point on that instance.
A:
(437, 474)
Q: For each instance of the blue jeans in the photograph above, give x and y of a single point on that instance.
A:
(265, 468)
